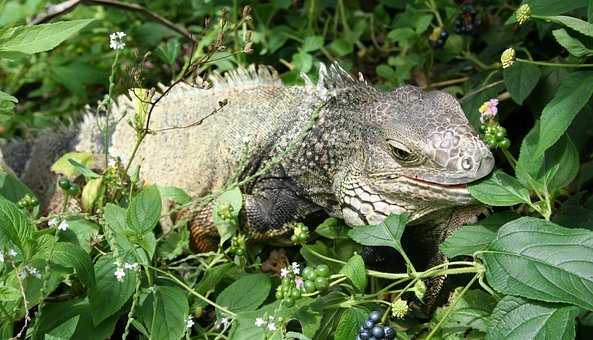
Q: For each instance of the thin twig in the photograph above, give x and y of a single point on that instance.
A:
(62, 8)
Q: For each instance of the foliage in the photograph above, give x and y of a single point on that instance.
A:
(121, 265)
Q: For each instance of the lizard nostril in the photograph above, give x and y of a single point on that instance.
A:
(467, 163)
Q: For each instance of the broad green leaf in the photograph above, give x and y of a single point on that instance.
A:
(84, 169)
(349, 323)
(387, 233)
(520, 80)
(164, 312)
(573, 23)
(540, 260)
(91, 194)
(312, 43)
(226, 229)
(245, 294)
(63, 166)
(518, 318)
(299, 336)
(7, 97)
(354, 269)
(15, 228)
(174, 243)
(341, 47)
(115, 216)
(499, 190)
(39, 38)
(81, 232)
(571, 97)
(476, 237)
(8, 293)
(73, 256)
(144, 211)
(109, 295)
(65, 330)
(572, 45)
(175, 194)
(333, 229)
(553, 7)
(471, 311)
(573, 214)
(212, 277)
(12, 188)
(555, 169)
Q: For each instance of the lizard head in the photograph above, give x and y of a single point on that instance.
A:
(416, 156)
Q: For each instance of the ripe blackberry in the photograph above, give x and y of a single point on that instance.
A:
(468, 21)
(371, 329)
(438, 37)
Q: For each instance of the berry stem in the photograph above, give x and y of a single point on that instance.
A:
(550, 64)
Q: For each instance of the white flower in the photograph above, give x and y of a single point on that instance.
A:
(259, 322)
(271, 326)
(225, 322)
(132, 266)
(284, 272)
(33, 271)
(296, 268)
(120, 274)
(189, 321)
(116, 41)
(11, 252)
(23, 274)
(52, 222)
(1, 256)
(63, 226)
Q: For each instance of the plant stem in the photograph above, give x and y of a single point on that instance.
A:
(546, 63)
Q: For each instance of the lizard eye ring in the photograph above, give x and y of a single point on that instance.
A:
(401, 153)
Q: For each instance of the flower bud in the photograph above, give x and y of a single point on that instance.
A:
(523, 14)
(507, 58)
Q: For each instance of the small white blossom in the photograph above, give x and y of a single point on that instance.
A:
(23, 274)
(284, 272)
(271, 326)
(53, 222)
(296, 269)
(259, 322)
(1, 256)
(189, 321)
(12, 252)
(131, 266)
(63, 226)
(116, 41)
(33, 271)
(120, 274)
(225, 322)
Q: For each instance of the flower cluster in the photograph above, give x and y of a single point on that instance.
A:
(189, 321)
(488, 110)
(300, 234)
(495, 136)
(507, 58)
(523, 14)
(116, 40)
(121, 269)
(291, 287)
(11, 253)
(399, 308)
(30, 270)
(268, 323)
(61, 225)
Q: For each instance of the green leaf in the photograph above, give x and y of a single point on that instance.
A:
(499, 190)
(540, 260)
(571, 97)
(84, 169)
(39, 38)
(472, 238)
(175, 194)
(354, 269)
(471, 311)
(245, 294)
(6, 97)
(144, 211)
(553, 7)
(73, 256)
(174, 243)
(8, 293)
(227, 229)
(573, 23)
(294, 335)
(64, 167)
(212, 277)
(109, 295)
(15, 228)
(312, 43)
(164, 312)
(520, 80)
(12, 188)
(517, 318)
(91, 194)
(65, 330)
(333, 229)
(349, 323)
(341, 47)
(81, 232)
(387, 233)
(572, 45)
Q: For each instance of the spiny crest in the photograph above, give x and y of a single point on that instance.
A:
(241, 77)
(334, 80)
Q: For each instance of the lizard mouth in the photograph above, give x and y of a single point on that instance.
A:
(462, 186)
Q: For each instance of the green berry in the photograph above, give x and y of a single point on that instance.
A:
(74, 189)
(279, 294)
(322, 270)
(296, 294)
(309, 273)
(309, 286)
(321, 283)
(289, 302)
(505, 143)
(64, 183)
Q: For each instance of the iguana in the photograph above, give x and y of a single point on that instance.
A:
(368, 153)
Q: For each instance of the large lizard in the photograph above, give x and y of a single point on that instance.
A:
(368, 154)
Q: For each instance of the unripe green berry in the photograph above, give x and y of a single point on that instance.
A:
(309, 273)
(289, 302)
(322, 270)
(296, 294)
(279, 294)
(309, 286)
(321, 283)
(505, 143)
(74, 189)
(64, 183)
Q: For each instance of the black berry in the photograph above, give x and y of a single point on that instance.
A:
(375, 316)
(389, 333)
(378, 332)
(368, 324)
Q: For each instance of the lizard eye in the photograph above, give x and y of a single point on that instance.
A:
(401, 153)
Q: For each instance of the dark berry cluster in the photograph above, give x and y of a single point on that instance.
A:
(69, 187)
(438, 37)
(371, 329)
(316, 278)
(300, 234)
(468, 21)
(27, 202)
(495, 136)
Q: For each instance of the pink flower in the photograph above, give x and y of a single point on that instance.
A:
(488, 110)
(299, 282)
